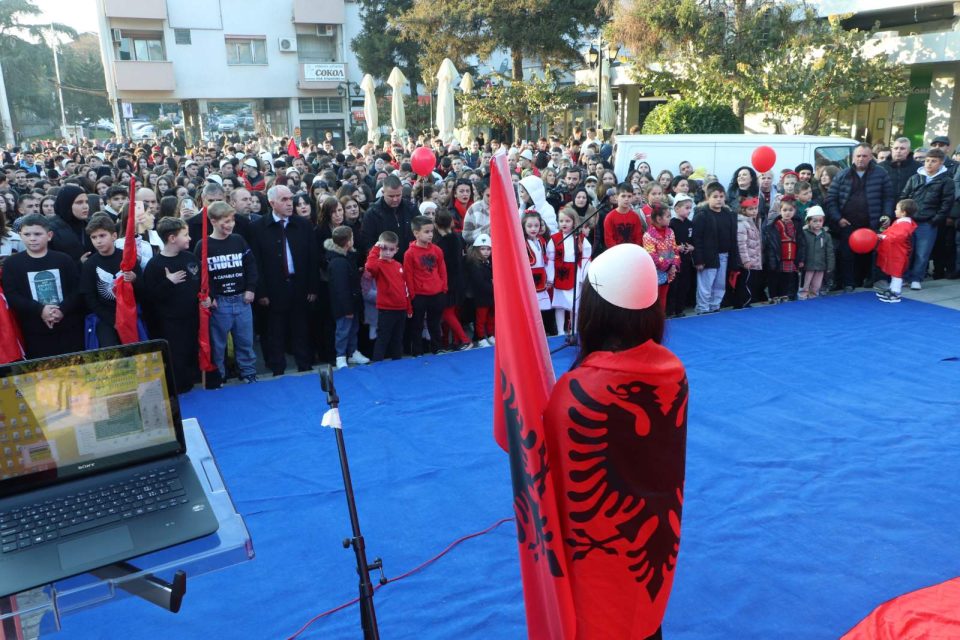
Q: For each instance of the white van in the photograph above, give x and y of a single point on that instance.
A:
(722, 154)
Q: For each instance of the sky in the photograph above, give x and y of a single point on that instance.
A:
(79, 14)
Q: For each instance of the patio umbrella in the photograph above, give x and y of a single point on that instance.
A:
(466, 131)
(398, 116)
(446, 114)
(370, 108)
(608, 113)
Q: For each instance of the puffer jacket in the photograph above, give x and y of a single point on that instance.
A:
(748, 243)
(934, 196)
(818, 251)
(881, 197)
(901, 171)
(772, 260)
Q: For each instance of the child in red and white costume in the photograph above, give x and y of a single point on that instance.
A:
(893, 254)
(562, 252)
(541, 271)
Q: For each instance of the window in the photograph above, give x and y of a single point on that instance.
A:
(140, 45)
(836, 156)
(317, 48)
(321, 105)
(182, 36)
(246, 51)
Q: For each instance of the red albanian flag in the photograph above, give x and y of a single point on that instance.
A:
(126, 318)
(11, 340)
(616, 429)
(932, 613)
(203, 333)
(292, 149)
(523, 377)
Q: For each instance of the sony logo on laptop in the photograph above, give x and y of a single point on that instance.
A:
(84, 467)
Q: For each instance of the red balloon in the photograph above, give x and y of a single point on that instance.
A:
(423, 161)
(863, 240)
(763, 158)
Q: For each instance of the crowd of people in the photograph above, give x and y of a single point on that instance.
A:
(347, 256)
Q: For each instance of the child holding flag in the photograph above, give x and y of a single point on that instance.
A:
(97, 277)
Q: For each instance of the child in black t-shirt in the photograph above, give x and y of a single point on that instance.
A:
(233, 281)
(41, 286)
(171, 284)
(98, 275)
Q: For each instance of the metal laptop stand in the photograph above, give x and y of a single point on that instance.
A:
(159, 577)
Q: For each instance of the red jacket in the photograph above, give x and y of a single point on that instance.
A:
(424, 270)
(893, 254)
(619, 228)
(391, 286)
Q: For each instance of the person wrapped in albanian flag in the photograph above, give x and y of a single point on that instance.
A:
(615, 427)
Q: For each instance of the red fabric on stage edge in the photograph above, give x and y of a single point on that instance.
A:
(523, 377)
(11, 340)
(932, 614)
(125, 321)
(203, 332)
(616, 429)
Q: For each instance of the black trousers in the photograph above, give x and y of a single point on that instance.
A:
(783, 284)
(430, 307)
(679, 292)
(106, 334)
(749, 288)
(944, 251)
(63, 339)
(287, 322)
(181, 336)
(390, 327)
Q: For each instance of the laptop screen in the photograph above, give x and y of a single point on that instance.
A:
(83, 413)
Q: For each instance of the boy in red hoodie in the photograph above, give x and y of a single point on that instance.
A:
(393, 302)
(426, 276)
(623, 224)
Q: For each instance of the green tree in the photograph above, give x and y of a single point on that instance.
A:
(379, 47)
(754, 54)
(830, 71)
(28, 61)
(687, 116)
(520, 104)
(81, 73)
(546, 30)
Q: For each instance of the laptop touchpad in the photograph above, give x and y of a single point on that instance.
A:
(91, 548)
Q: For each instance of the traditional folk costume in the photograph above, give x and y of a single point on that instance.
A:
(537, 253)
(562, 255)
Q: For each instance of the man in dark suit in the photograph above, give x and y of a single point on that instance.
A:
(287, 261)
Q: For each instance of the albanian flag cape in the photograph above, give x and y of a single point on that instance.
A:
(126, 318)
(203, 333)
(932, 613)
(292, 149)
(11, 340)
(616, 431)
(523, 377)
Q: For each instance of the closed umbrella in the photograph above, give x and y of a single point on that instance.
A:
(466, 131)
(446, 112)
(608, 114)
(398, 116)
(370, 109)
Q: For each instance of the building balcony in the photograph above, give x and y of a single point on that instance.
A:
(326, 75)
(135, 75)
(319, 12)
(142, 9)
(925, 48)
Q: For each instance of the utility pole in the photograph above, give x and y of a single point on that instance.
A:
(6, 122)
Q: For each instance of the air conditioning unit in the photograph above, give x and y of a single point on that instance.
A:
(326, 30)
(288, 45)
(116, 35)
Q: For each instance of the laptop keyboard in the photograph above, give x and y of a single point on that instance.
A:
(58, 518)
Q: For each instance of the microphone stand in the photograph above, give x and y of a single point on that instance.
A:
(368, 616)
(571, 338)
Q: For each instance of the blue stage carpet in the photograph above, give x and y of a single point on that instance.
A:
(822, 474)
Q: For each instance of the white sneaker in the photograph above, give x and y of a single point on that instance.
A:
(341, 362)
(491, 341)
(915, 286)
(483, 343)
(358, 358)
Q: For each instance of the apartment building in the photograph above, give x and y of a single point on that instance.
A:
(250, 65)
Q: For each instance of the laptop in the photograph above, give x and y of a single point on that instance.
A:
(93, 464)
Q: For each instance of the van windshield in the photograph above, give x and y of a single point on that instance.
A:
(835, 156)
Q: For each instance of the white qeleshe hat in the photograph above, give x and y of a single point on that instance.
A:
(250, 162)
(813, 212)
(426, 206)
(483, 240)
(625, 276)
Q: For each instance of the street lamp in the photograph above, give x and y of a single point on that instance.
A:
(343, 90)
(593, 58)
